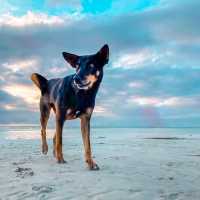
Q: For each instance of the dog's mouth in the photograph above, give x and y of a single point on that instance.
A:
(81, 84)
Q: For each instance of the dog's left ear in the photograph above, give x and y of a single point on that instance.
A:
(103, 54)
(72, 59)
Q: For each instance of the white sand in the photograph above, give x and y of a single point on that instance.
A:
(131, 167)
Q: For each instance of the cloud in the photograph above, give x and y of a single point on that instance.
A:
(134, 39)
(29, 94)
(21, 65)
(9, 107)
(135, 60)
(11, 103)
(163, 102)
(102, 111)
(29, 19)
(6, 98)
(136, 84)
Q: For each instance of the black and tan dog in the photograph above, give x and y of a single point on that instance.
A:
(70, 98)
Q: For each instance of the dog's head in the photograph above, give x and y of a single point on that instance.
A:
(89, 69)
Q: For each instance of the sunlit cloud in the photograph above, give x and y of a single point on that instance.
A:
(29, 94)
(162, 102)
(19, 65)
(9, 106)
(102, 111)
(144, 101)
(135, 60)
(31, 18)
(136, 84)
(179, 101)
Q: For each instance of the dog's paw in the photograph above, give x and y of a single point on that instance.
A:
(92, 165)
(44, 149)
(95, 167)
(61, 161)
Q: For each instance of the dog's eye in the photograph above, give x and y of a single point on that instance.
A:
(92, 65)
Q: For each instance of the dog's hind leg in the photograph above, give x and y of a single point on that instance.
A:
(44, 116)
(58, 138)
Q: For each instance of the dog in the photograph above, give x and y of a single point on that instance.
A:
(70, 98)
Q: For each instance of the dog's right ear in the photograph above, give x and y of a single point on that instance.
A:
(72, 59)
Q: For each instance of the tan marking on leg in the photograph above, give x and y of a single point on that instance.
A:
(44, 116)
(59, 154)
(44, 142)
(85, 129)
(89, 111)
(69, 111)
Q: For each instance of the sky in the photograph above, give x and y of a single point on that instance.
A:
(153, 75)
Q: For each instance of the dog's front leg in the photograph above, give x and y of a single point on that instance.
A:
(58, 140)
(85, 129)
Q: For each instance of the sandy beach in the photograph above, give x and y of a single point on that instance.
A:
(139, 164)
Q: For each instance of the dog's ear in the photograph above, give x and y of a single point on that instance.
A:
(103, 54)
(72, 59)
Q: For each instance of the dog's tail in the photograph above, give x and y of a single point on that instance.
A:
(40, 82)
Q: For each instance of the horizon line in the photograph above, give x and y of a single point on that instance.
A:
(37, 125)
